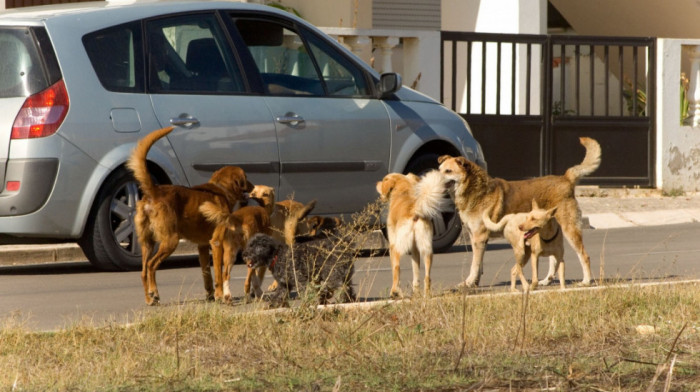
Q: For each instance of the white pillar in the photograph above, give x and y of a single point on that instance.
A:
(385, 46)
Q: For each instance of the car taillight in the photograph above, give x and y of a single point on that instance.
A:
(42, 113)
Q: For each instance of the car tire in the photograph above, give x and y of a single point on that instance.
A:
(446, 230)
(109, 241)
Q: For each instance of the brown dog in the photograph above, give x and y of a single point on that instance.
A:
(532, 234)
(167, 213)
(475, 192)
(413, 202)
(233, 232)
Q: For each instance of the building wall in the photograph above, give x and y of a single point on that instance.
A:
(495, 16)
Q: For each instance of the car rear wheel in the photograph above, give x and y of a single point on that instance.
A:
(447, 228)
(110, 241)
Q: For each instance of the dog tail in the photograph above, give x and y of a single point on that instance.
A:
(590, 162)
(495, 227)
(214, 213)
(430, 195)
(137, 160)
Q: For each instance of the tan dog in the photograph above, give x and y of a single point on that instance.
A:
(285, 216)
(475, 192)
(233, 232)
(413, 202)
(532, 234)
(167, 213)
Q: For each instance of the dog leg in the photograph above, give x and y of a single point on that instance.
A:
(513, 277)
(517, 271)
(146, 250)
(415, 266)
(560, 267)
(206, 271)
(395, 273)
(248, 279)
(573, 235)
(550, 273)
(257, 282)
(478, 239)
(428, 265)
(165, 249)
(229, 258)
(217, 254)
(534, 259)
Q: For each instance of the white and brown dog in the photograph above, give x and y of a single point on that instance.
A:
(413, 203)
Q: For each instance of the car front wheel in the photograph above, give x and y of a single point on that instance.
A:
(109, 240)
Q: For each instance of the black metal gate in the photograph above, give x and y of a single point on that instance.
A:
(528, 98)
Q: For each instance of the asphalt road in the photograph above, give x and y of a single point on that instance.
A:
(52, 296)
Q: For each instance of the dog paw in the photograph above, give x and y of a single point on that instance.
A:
(152, 299)
(584, 283)
(396, 295)
(468, 284)
(545, 282)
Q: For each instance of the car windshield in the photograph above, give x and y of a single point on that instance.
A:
(21, 72)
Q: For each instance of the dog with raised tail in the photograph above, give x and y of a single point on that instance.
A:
(531, 234)
(166, 213)
(413, 203)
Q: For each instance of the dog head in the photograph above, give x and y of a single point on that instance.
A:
(234, 181)
(392, 181)
(455, 169)
(317, 225)
(263, 194)
(260, 251)
(536, 219)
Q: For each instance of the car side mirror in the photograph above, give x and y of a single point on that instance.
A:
(389, 83)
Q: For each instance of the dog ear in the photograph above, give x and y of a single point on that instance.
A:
(304, 212)
(443, 158)
(387, 185)
(462, 161)
(534, 205)
(552, 211)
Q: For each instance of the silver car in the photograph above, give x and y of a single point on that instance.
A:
(244, 84)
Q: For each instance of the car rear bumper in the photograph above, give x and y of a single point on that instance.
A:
(36, 178)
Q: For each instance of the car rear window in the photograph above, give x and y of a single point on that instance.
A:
(22, 72)
(117, 57)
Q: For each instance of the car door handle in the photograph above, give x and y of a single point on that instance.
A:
(292, 119)
(184, 120)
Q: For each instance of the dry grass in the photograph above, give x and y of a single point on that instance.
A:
(573, 340)
(611, 339)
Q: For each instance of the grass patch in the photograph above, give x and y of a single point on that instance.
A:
(571, 340)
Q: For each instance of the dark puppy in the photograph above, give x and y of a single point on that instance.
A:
(318, 262)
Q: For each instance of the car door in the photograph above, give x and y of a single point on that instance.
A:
(196, 83)
(334, 137)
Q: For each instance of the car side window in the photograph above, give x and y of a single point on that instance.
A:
(190, 54)
(341, 76)
(116, 57)
(290, 66)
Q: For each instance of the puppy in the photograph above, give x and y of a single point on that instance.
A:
(532, 234)
(233, 232)
(317, 262)
(475, 191)
(167, 213)
(413, 202)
